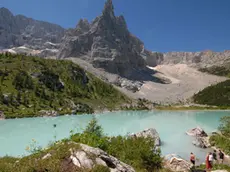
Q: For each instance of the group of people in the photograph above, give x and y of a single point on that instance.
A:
(210, 159)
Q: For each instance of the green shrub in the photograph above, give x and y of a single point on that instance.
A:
(100, 168)
(94, 128)
(217, 70)
(222, 140)
(225, 126)
(139, 152)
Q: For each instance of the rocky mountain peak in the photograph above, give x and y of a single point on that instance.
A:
(5, 12)
(83, 25)
(106, 43)
(108, 10)
(19, 30)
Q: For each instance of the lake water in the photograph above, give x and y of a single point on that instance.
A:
(17, 134)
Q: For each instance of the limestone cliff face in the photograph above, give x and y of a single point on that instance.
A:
(197, 59)
(22, 31)
(106, 42)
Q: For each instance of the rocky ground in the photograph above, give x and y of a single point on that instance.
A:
(182, 82)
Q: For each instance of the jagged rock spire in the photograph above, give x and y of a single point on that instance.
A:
(108, 8)
(83, 24)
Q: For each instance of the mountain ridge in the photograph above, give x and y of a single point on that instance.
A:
(19, 30)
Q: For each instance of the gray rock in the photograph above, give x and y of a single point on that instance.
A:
(133, 86)
(201, 137)
(19, 30)
(48, 113)
(107, 42)
(48, 53)
(88, 157)
(152, 58)
(201, 142)
(152, 133)
(46, 156)
(176, 163)
(201, 59)
(198, 132)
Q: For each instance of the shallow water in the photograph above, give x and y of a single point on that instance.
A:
(17, 134)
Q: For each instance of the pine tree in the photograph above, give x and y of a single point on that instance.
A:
(19, 97)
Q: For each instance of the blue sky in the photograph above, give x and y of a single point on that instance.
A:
(163, 25)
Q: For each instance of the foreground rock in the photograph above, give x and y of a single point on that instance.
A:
(152, 133)
(176, 163)
(198, 132)
(87, 157)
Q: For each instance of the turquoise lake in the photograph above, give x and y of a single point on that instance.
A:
(17, 134)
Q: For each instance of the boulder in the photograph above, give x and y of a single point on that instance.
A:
(198, 132)
(202, 142)
(88, 157)
(48, 113)
(176, 163)
(152, 133)
(201, 137)
(133, 86)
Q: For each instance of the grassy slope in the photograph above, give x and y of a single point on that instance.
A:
(31, 84)
(218, 70)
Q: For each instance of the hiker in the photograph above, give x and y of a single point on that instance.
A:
(214, 156)
(221, 157)
(210, 158)
(208, 162)
(192, 159)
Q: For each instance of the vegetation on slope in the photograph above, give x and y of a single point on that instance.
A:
(135, 152)
(217, 70)
(30, 85)
(217, 95)
(222, 140)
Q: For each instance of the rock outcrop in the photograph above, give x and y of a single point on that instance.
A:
(202, 142)
(106, 42)
(50, 113)
(197, 59)
(176, 163)
(199, 132)
(201, 137)
(151, 133)
(86, 158)
(80, 159)
(19, 30)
